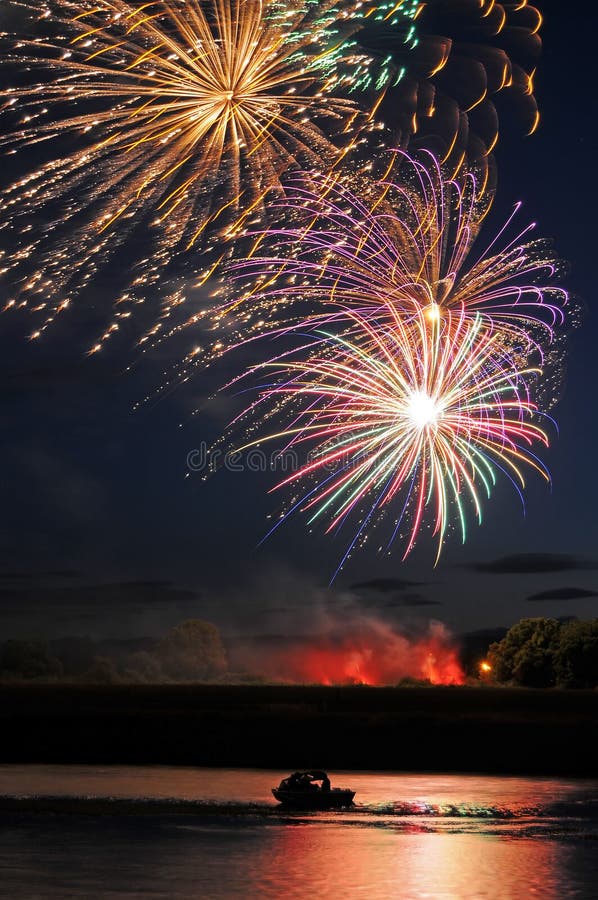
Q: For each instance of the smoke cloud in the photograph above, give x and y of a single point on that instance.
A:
(365, 651)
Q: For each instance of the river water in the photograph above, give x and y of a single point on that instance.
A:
(409, 836)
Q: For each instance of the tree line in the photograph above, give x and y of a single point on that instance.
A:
(546, 653)
(192, 651)
(536, 652)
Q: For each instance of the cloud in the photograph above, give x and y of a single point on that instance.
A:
(387, 594)
(389, 602)
(533, 563)
(106, 595)
(563, 593)
(279, 599)
(116, 609)
(384, 585)
(412, 600)
(39, 576)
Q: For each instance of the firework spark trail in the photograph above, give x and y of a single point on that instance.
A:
(404, 412)
(444, 62)
(183, 116)
(411, 242)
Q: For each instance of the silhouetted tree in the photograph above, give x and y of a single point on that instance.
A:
(193, 651)
(145, 667)
(28, 659)
(576, 661)
(103, 670)
(75, 653)
(527, 653)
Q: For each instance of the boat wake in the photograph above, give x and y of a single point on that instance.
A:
(562, 818)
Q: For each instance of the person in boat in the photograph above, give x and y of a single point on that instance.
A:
(306, 781)
(312, 790)
(319, 780)
(294, 782)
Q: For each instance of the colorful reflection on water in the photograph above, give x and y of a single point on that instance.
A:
(416, 837)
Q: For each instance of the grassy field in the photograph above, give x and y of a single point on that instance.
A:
(437, 729)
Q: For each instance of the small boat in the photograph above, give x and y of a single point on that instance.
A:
(311, 790)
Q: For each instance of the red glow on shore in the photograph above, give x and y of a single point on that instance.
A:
(363, 662)
(375, 655)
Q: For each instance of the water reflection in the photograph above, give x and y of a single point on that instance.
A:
(89, 859)
(414, 837)
(374, 789)
(379, 864)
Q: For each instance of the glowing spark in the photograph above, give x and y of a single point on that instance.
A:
(439, 61)
(398, 417)
(407, 242)
(423, 410)
(181, 119)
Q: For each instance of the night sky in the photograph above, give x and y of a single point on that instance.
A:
(95, 493)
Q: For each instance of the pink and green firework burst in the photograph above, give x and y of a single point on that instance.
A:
(401, 418)
(409, 240)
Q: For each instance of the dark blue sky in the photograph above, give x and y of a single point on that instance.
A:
(93, 487)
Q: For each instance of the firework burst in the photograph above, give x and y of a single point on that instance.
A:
(413, 419)
(180, 116)
(446, 61)
(404, 244)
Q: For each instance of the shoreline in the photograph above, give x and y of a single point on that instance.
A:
(436, 729)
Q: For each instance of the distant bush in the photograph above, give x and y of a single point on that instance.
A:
(409, 682)
(576, 663)
(144, 667)
(193, 651)
(544, 652)
(28, 659)
(75, 653)
(103, 670)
